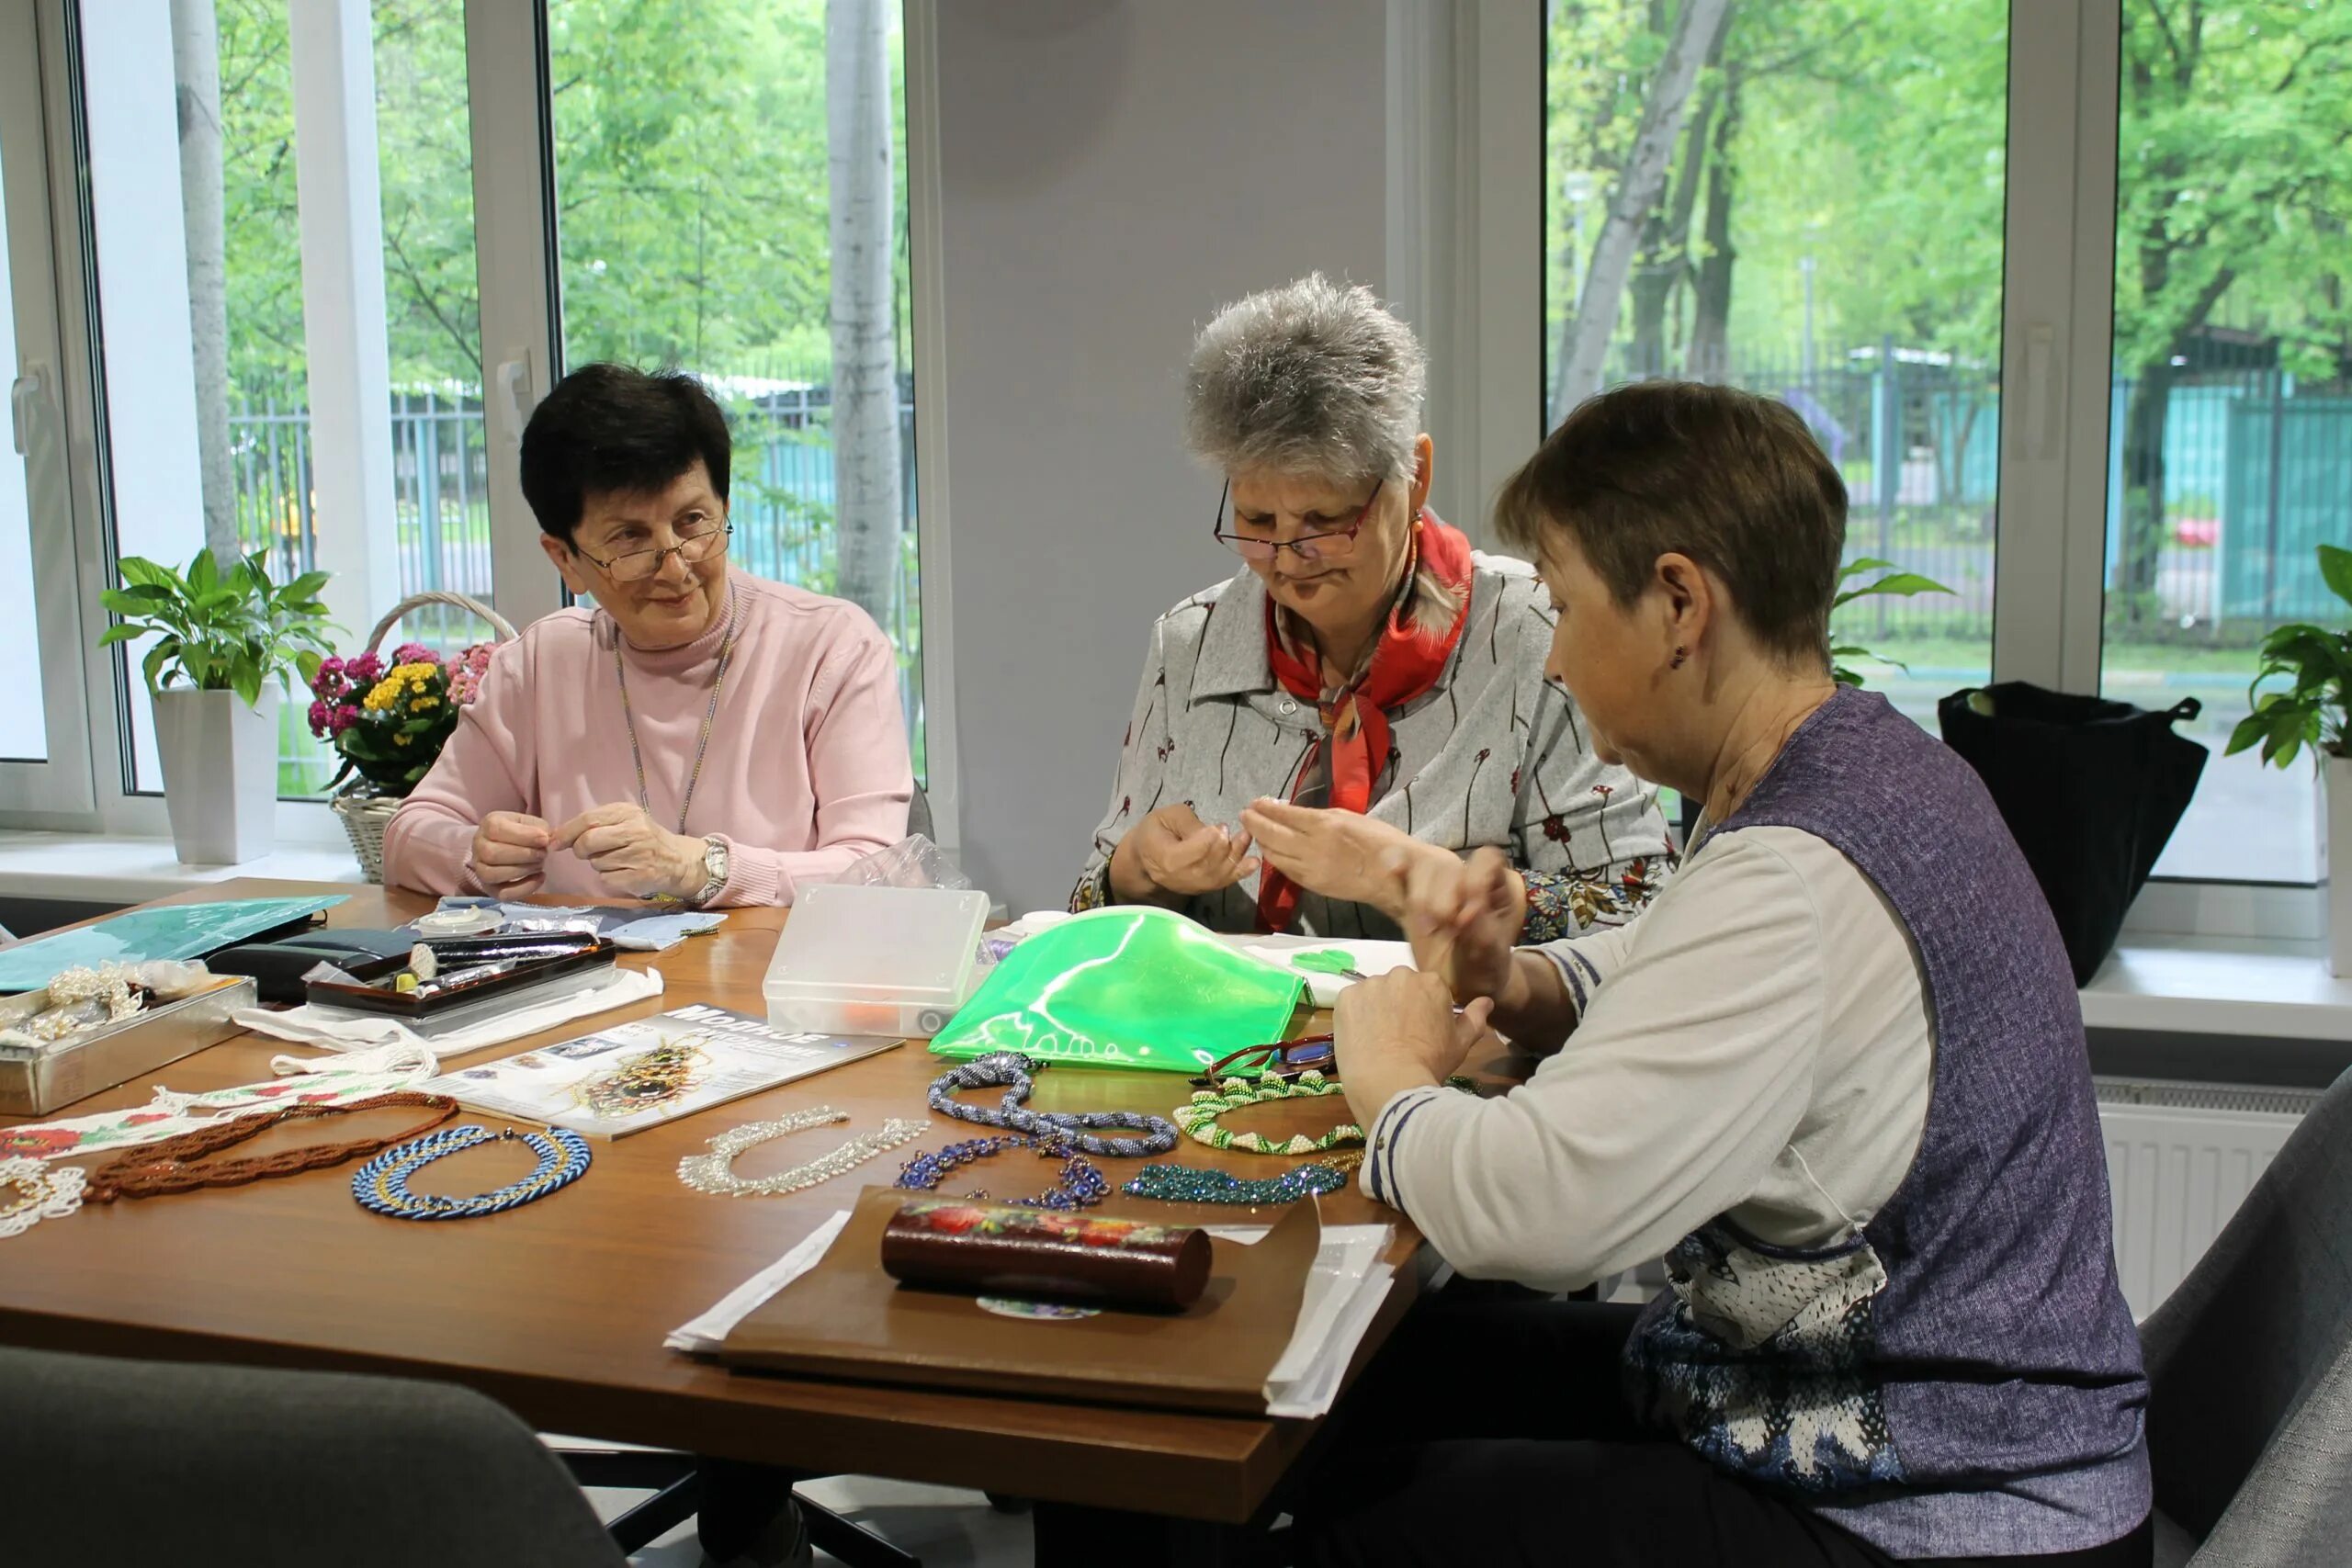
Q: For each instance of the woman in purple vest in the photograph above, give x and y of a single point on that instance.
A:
(1834, 1075)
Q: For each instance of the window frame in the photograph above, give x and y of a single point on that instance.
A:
(516, 265)
(2057, 334)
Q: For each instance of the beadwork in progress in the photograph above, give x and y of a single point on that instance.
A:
(649, 1078)
(1079, 1185)
(40, 1191)
(714, 1172)
(1013, 1072)
(381, 1185)
(1199, 1119)
(1195, 1184)
(182, 1164)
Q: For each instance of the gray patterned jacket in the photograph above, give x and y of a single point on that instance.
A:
(1493, 754)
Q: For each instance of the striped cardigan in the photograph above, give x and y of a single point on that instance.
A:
(1493, 754)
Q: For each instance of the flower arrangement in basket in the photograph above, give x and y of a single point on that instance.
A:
(389, 720)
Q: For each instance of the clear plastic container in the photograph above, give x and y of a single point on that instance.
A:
(874, 960)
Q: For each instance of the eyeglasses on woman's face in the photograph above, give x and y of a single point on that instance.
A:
(700, 536)
(1317, 544)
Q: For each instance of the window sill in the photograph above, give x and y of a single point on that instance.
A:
(103, 870)
(2262, 988)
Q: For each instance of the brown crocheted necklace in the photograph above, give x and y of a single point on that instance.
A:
(173, 1165)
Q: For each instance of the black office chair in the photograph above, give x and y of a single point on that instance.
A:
(107, 1460)
(744, 1514)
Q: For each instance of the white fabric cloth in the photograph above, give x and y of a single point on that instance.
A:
(1756, 1044)
(340, 1029)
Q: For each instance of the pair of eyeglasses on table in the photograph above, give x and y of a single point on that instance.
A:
(1284, 1059)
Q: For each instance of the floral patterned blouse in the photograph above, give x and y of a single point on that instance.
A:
(1493, 754)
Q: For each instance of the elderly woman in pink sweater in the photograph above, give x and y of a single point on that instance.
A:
(703, 736)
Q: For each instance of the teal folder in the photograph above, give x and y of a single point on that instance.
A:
(168, 930)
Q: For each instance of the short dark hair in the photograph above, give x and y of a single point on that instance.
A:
(608, 429)
(1733, 480)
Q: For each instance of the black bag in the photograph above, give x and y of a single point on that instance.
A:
(2091, 790)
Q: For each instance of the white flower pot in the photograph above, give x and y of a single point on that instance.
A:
(2335, 847)
(219, 774)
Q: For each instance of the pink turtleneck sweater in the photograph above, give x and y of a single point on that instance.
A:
(806, 773)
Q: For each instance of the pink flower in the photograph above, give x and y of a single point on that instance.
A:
(330, 666)
(366, 670)
(319, 712)
(414, 653)
(343, 718)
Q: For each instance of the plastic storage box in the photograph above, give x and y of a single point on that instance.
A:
(874, 960)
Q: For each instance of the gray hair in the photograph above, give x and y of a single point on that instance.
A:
(1310, 379)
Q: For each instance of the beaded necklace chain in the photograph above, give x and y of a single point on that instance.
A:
(1192, 1184)
(172, 1165)
(1079, 1185)
(1200, 1117)
(1015, 1071)
(43, 1192)
(713, 1172)
(709, 716)
(381, 1184)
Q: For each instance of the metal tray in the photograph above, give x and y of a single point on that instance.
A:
(102, 1059)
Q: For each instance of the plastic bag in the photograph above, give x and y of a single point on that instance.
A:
(1125, 987)
(912, 862)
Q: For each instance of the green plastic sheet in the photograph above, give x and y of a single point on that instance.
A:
(1125, 987)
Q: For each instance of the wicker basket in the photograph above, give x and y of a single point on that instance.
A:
(365, 812)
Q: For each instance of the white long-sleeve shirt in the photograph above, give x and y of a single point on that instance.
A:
(1756, 1043)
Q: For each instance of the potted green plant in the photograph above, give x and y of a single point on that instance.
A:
(1897, 584)
(226, 641)
(2315, 710)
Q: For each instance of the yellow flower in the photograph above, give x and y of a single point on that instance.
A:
(419, 704)
(400, 740)
(384, 694)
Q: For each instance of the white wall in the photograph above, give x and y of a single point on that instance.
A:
(1112, 170)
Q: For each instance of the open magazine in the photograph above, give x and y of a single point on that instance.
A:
(634, 1076)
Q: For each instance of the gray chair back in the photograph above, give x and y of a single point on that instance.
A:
(105, 1461)
(2250, 1367)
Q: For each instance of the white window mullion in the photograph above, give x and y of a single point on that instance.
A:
(2057, 324)
(515, 266)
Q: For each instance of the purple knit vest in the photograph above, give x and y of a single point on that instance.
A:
(1988, 1398)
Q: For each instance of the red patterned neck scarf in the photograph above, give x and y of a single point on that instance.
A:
(1405, 662)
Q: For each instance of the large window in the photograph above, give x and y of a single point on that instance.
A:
(2231, 451)
(319, 275)
(1802, 197)
(1809, 198)
(730, 189)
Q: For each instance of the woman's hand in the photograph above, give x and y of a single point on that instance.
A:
(1464, 918)
(1344, 855)
(1173, 854)
(510, 851)
(636, 854)
(1399, 1030)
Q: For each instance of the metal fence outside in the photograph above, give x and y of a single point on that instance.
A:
(782, 506)
(2257, 471)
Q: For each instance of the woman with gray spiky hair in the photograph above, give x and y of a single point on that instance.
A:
(1367, 691)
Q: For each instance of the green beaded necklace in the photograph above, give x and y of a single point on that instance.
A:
(1199, 1119)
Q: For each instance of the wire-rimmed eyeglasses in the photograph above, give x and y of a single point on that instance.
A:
(1324, 544)
(700, 536)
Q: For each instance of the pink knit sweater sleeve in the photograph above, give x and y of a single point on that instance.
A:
(857, 732)
(428, 845)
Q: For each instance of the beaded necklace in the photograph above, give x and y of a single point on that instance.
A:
(172, 1165)
(381, 1184)
(1200, 1117)
(712, 1172)
(709, 716)
(1195, 1184)
(1079, 1185)
(1015, 1070)
(43, 1192)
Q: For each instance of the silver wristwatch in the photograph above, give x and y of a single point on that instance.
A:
(714, 862)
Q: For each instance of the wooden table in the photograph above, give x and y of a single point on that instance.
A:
(557, 1309)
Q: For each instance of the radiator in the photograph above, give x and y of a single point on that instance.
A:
(2180, 1158)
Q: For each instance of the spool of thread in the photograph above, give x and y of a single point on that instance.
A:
(995, 1249)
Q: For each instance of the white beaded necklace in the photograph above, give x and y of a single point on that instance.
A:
(712, 1173)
